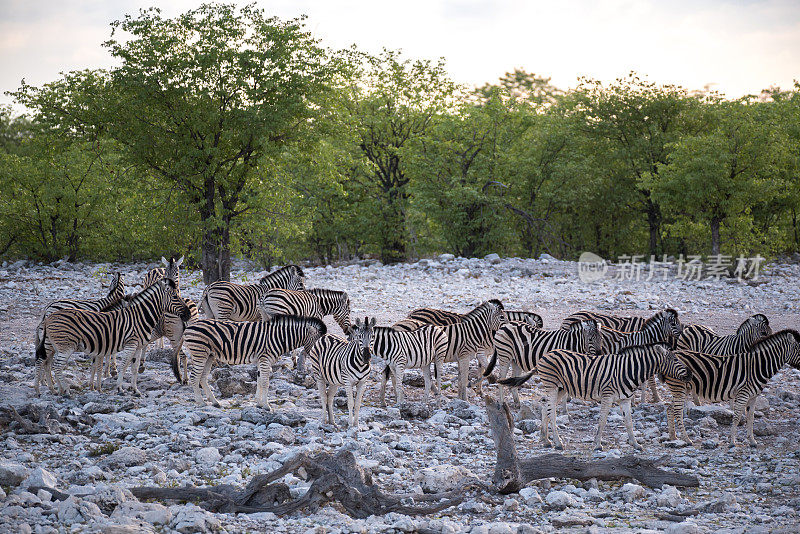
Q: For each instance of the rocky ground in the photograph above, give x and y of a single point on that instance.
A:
(86, 451)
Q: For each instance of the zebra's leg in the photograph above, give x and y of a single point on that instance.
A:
(437, 371)
(555, 397)
(329, 396)
(605, 407)
(349, 388)
(653, 390)
(397, 376)
(679, 402)
(130, 350)
(60, 359)
(463, 376)
(195, 376)
(183, 356)
(426, 376)
(627, 413)
(204, 382)
(750, 413)
(323, 398)
(144, 355)
(359, 397)
(502, 371)
(135, 370)
(481, 366)
(516, 370)
(545, 428)
(384, 378)
(262, 387)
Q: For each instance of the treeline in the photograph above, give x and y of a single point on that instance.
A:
(224, 131)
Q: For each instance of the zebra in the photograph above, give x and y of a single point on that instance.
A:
(739, 378)
(115, 293)
(171, 270)
(472, 336)
(234, 302)
(662, 327)
(336, 362)
(410, 350)
(102, 334)
(172, 327)
(444, 317)
(702, 339)
(307, 303)
(520, 345)
(237, 343)
(607, 378)
(623, 324)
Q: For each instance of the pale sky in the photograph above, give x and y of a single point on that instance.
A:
(739, 46)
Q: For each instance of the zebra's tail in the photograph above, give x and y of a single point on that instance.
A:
(517, 381)
(174, 363)
(205, 307)
(489, 368)
(41, 354)
(387, 371)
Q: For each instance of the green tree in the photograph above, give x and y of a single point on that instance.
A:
(198, 101)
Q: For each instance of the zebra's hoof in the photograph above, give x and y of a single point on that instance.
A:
(559, 447)
(216, 405)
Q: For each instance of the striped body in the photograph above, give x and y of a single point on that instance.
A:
(606, 379)
(623, 324)
(520, 346)
(444, 317)
(115, 295)
(237, 343)
(738, 378)
(337, 362)
(234, 302)
(103, 334)
(417, 349)
(702, 339)
(307, 303)
(473, 335)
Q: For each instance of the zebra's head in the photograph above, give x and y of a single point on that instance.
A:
(297, 279)
(670, 366)
(315, 330)
(361, 334)
(497, 314)
(668, 323)
(172, 269)
(175, 304)
(592, 339)
(756, 327)
(534, 320)
(117, 285)
(794, 349)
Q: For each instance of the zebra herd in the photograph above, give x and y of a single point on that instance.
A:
(591, 356)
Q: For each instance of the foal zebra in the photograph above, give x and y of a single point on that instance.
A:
(336, 362)
(417, 349)
(115, 294)
(739, 378)
(307, 303)
(234, 302)
(702, 339)
(607, 378)
(520, 345)
(236, 343)
(103, 334)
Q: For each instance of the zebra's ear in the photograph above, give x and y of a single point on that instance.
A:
(372, 322)
(164, 261)
(179, 262)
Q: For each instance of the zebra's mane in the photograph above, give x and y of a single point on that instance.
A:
(634, 349)
(767, 341)
(115, 281)
(292, 320)
(496, 302)
(298, 271)
(145, 293)
(321, 291)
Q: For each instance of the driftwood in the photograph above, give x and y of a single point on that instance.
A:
(335, 477)
(511, 474)
(34, 419)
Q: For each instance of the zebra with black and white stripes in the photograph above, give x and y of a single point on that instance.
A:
(417, 349)
(307, 303)
(103, 334)
(439, 317)
(623, 324)
(336, 362)
(237, 343)
(739, 378)
(520, 346)
(226, 301)
(702, 339)
(172, 327)
(115, 294)
(170, 270)
(607, 378)
(472, 336)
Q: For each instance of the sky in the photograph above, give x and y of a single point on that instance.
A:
(736, 47)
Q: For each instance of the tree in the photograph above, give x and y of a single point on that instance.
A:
(392, 102)
(198, 101)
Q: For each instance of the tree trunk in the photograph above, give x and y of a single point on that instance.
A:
(653, 220)
(715, 235)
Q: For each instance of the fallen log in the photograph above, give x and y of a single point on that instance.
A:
(511, 473)
(336, 477)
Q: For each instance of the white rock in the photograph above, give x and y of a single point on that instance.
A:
(631, 492)
(153, 513)
(11, 473)
(442, 477)
(686, 527)
(208, 456)
(559, 499)
(126, 456)
(669, 496)
(40, 477)
(73, 510)
(191, 518)
(530, 496)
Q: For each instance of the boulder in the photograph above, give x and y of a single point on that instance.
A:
(208, 456)
(558, 500)
(12, 473)
(442, 477)
(125, 457)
